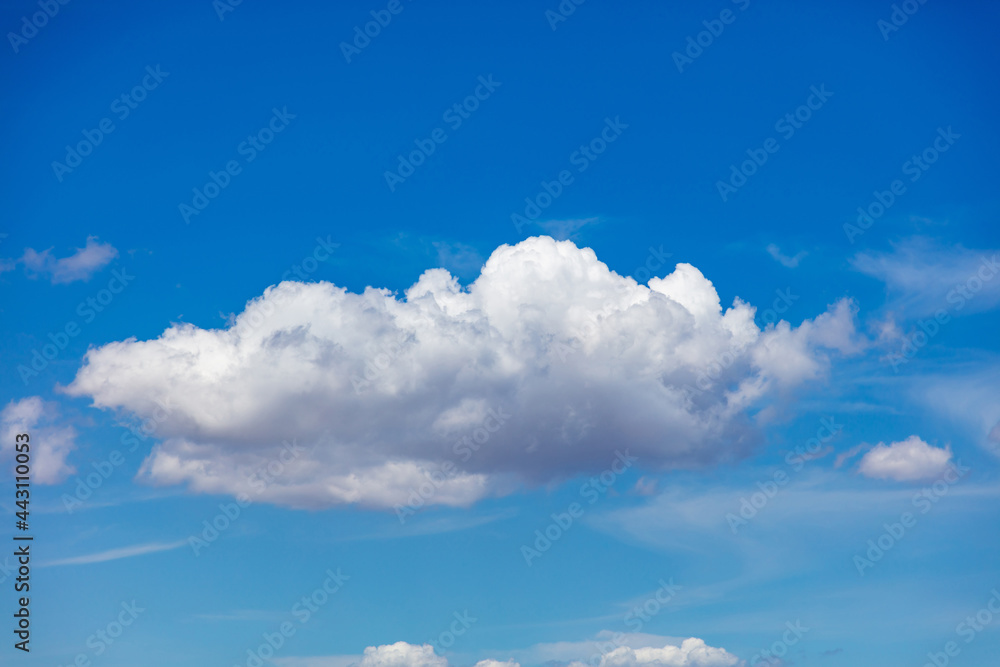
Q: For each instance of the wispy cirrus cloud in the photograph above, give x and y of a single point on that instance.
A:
(80, 265)
(923, 276)
(563, 230)
(117, 554)
(790, 262)
(966, 395)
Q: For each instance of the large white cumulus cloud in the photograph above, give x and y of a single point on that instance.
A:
(573, 359)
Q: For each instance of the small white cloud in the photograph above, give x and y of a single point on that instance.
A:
(618, 649)
(49, 444)
(909, 460)
(790, 262)
(81, 265)
(692, 652)
(402, 654)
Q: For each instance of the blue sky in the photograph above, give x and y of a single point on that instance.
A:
(228, 280)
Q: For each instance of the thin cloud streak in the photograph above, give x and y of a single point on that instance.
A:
(116, 554)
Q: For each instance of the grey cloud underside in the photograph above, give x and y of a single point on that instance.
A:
(576, 360)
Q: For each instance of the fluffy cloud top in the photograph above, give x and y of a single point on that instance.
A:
(402, 654)
(692, 652)
(49, 444)
(542, 368)
(911, 459)
(81, 265)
